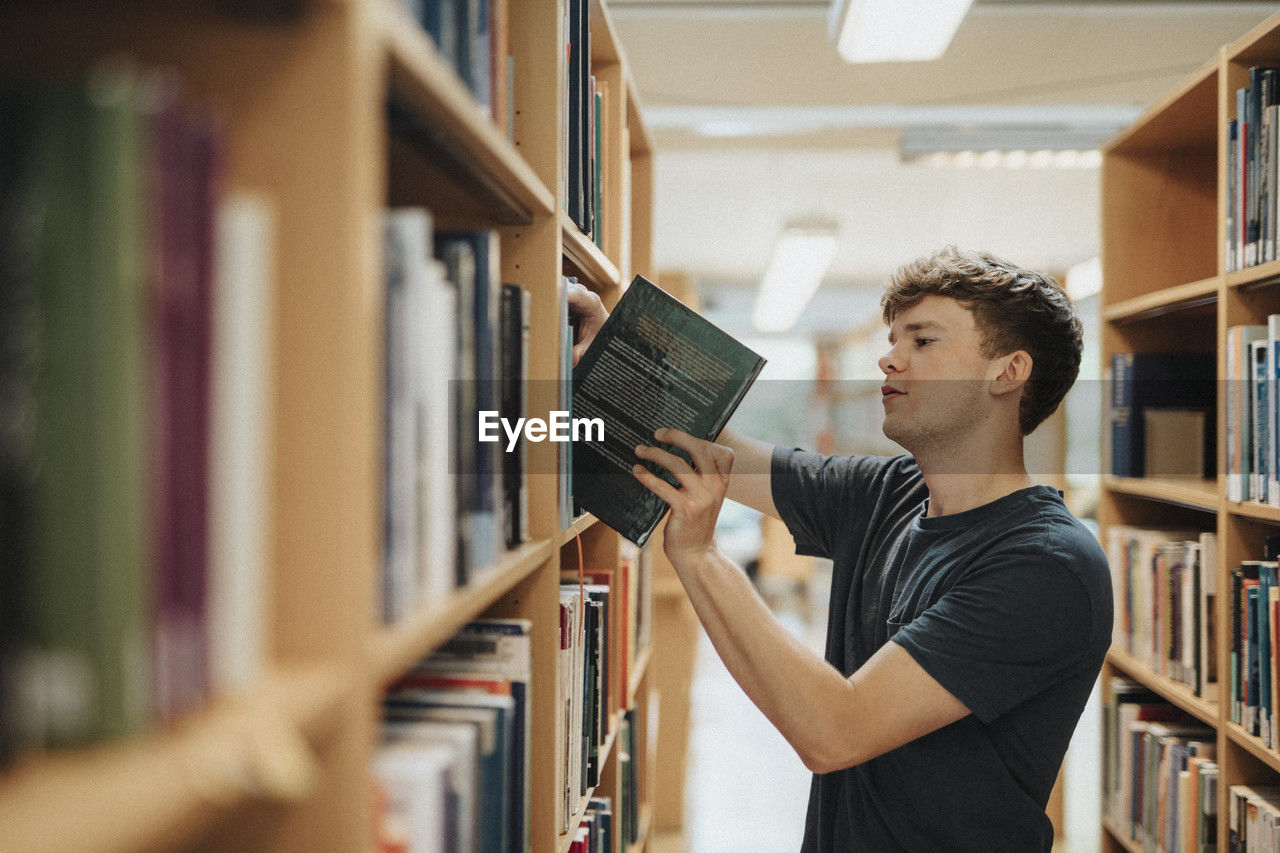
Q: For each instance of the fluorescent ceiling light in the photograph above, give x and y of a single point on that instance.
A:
(1084, 279)
(1043, 159)
(799, 262)
(895, 30)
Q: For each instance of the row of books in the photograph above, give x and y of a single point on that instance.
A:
(1164, 587)
(1255, 623)
(472, 36)
(1252, 162)
(1253, 412)
(1254, 815)
(456, 344)
(586, 99)
(135, 373)
(453, 768)
(1161, 414)
(1160, 774)
(584, 722)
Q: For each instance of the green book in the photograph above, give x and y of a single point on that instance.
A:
(654, 364)
(85, 597)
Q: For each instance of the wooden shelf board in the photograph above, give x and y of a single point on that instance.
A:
(1258, 46)
(638, 673)
(159, 791)
(1120, 836)
(1261, 275)
(599, 273)
(1197, 494)
(454, 127)
(1184, 119)
(580, 525)
(564, 841)
(1202, 709)
(1183, 297)
(606, 49)
(1253, 509)
(395, 648)
(646, 826)
(641, 139)
(1254, 745)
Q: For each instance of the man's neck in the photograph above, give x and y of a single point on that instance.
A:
(973, 475)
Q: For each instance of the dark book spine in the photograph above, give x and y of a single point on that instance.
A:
(511, 409)
(1123, 461)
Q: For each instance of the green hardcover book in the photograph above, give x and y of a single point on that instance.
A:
(86, 599)
(59, 594)
(119, 382)
(655, 363)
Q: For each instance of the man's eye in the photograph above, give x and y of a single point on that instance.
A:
(920, 342)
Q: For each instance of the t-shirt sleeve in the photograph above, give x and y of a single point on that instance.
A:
(1006, 631)
(816, 494)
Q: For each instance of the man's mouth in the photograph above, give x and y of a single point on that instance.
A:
(888, 392)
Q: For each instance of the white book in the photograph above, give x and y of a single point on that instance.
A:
(415, 781)
(1273, 410)
(1207, 605)
(1239, 420)
(437, 492)
(463, 741)
(405, 249)
(240, 441)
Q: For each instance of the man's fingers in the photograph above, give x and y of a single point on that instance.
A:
(677, 466)
(708, 457)
(656, 484)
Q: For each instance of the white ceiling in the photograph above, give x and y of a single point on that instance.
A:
(813, 136)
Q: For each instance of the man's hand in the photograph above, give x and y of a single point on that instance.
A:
(589, 310)
(695, 505)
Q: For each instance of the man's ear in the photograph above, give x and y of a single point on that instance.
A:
(1014, 374)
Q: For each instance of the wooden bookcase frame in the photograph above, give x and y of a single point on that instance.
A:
(1165, 287)
(302, 97)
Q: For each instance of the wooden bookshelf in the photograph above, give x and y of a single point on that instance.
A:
(1185, 297)
(1166, 289)
(1202, 708)
(1197, 494)
(1117, 836)
(333, 112)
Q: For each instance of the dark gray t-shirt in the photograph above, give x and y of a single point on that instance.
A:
(1007, 606)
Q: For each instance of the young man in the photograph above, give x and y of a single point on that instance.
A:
(970, 612)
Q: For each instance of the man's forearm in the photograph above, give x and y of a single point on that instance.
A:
(751, 481)
(805, 697)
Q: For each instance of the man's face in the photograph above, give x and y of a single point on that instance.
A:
(936, 377)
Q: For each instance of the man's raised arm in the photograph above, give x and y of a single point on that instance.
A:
(751, 482)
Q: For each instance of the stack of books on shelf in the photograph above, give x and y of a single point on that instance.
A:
(627, 763)
(1161, 415)
(453, 769)
(134, 382)
(595, 832)
(456, 348)
(1255, 623)
(1254, 815)
(1164, 588)
(1160, 773)
(1253, 412)
(585, 101)
(584, 723)
(1252, 163)
(471, 35)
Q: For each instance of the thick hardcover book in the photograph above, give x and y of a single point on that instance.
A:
(655, 363)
